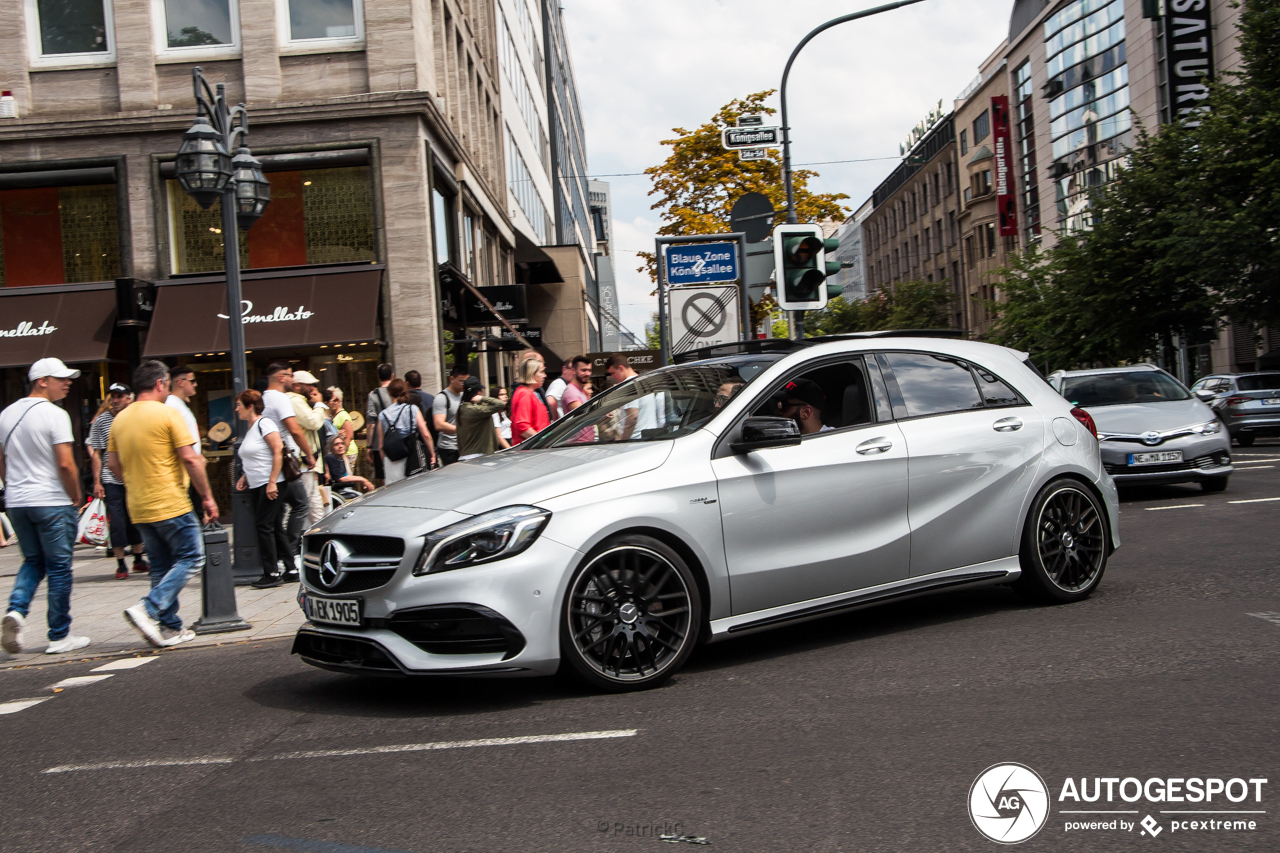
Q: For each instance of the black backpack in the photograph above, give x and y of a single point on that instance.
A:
(395, 442)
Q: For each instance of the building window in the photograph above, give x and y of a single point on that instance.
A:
(442, 213)
(322, 23)
(990, 241)
(317, 216)
(981, 126)
(964, 142)
(58, 235)
(191, 28)
(70, 32)
(520, 182)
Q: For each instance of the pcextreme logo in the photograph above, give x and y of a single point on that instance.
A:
(1009, 803)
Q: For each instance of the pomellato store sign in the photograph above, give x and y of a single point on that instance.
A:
(279, 315)
(27, 329)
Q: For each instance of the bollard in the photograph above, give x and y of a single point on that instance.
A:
(218, 614)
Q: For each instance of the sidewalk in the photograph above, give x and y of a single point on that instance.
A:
(98, 601)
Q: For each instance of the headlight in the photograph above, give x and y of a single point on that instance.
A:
(1211, 428)
(485, 538)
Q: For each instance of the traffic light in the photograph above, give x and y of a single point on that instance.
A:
(801, 265)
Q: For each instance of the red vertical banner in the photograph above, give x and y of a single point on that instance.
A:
(1003, 139)
(32, 227)
(279, 238)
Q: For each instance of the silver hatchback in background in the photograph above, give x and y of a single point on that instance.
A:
(1150, 427)
(1248, 403)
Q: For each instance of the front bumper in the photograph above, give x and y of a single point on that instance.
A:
(496, 619)
(1203, 458)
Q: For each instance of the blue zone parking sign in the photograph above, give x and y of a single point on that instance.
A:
(701, 263)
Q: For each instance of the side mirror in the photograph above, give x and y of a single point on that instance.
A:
(761, 432)
(1205, 394)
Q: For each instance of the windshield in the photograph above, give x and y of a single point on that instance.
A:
(1117, 389)
(665, 404)
(1261, 382)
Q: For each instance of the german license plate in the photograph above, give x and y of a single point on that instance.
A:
(1271, 401)
(1158, 458)
(337, 611)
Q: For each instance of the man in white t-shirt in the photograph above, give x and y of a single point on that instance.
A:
(646, 412)
(555, 391)
(182, 387)
(444, 411)
(42, 491)
(277, 406)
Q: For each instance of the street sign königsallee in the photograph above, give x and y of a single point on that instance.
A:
(750, 137)
(701, 263)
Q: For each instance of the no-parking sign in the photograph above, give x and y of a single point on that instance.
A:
(703, 317)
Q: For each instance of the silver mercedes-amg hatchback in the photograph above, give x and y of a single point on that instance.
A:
(762, 484)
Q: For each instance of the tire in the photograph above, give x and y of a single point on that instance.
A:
(1064, 544)
(1245, 439)
(1215, 484)
(631, 616)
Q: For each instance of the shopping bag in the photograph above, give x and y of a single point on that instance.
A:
(93, 528)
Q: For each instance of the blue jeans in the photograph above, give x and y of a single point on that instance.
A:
(176, 548)
(46, 535)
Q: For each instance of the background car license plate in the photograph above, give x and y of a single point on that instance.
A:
(339, 611)
(1158, 458)
(1271, 401)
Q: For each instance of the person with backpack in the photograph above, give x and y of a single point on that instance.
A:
(261, 455)
(397, 424)
(444, 412)
(379, 399)
(42, 491)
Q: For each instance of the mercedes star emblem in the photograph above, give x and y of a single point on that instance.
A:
(331, 568)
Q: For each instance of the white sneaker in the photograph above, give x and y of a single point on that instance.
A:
(173, 638)
(11, 632)
(68, 643)
(149, 628)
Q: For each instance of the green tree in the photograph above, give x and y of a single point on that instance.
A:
(1185, 234)
(700, 180)
(911, 305)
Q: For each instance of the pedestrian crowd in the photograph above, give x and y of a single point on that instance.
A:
(297, 447)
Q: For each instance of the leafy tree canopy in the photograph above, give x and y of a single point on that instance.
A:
(911, 305)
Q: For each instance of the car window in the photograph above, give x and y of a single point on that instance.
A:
(1261, 382)
(837, 395)
(933, 384)
(1201, 385)
(1117, 389)
(995, 392)
(879, 391)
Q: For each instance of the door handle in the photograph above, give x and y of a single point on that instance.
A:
(1007, 425)
(874, 445)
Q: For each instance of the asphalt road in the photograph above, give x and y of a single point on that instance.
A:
(861, 732)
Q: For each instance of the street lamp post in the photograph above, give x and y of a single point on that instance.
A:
(798, 316)
(208, 172)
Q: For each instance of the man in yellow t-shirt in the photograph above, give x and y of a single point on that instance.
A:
(153, 453)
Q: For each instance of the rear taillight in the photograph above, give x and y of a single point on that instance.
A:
(1085, 418)
(1238, 401)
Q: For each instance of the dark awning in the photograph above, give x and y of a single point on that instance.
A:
(282, 308)
(71, 322)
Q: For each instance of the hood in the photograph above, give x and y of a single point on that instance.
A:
(516, 477)
(1137, 418)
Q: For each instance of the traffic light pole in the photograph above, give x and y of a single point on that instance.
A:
(792, 219)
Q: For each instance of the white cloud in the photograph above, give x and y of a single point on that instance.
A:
(855, 91)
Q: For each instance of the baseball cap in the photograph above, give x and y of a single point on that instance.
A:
(471, 387)
(305, 378)
(117, 388)
(805, 390)
(51, 367)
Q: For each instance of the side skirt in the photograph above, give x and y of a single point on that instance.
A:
(992, 573)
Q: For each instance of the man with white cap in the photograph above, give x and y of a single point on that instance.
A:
(42, 491)
(308, 405)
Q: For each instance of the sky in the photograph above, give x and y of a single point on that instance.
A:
(854, 93)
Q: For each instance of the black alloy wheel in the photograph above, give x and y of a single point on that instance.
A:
(1064, 544)
(632, 615)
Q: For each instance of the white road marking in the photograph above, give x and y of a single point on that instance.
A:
(1174, 506)
(336, 753)
(1254, 501)
(123, 663)
(1249, 460)
(81, 681)
(1253, 467)
(1270, 617)
(17, 705)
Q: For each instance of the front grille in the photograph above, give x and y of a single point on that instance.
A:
(1212, 460)
(343, 652)
(391, 547)
(351, 581)
(455, 629)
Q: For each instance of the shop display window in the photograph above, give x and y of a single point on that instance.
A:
(317, 216)
(58, 235)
